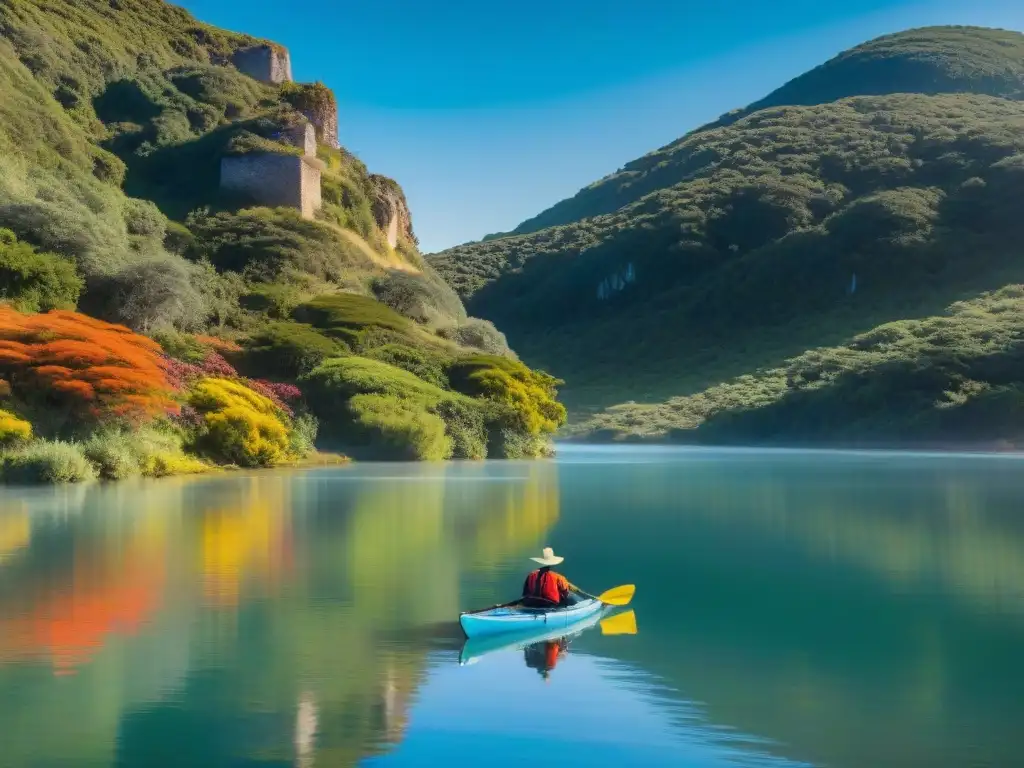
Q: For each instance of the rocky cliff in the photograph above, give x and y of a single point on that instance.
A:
(390, 211)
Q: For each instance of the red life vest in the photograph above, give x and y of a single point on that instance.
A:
(543, 584)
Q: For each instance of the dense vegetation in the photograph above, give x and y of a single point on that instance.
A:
(114, 119)
(932, 60)
(782, 229)
(941, 380)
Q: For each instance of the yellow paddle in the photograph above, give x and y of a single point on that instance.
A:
(619, 624)
(615, 596)
(618, 595)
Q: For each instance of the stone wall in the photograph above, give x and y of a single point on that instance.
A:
(273, 180)
(309, 181)
(303, 136)
(325, 119)
(266, 63)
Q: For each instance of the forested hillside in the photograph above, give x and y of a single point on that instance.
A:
(879, 188)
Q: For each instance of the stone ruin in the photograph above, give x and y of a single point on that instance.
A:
(278, 179)
(325, 120)
(266, 63)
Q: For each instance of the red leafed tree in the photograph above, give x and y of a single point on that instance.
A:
(96, 368)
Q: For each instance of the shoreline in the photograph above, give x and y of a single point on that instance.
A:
(985, 448)
(318, 460)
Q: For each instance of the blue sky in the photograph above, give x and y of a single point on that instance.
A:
(489, 111)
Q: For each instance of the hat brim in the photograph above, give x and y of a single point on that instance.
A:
(548, 561)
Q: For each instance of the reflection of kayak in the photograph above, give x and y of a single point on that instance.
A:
(512, 619)
(476, 648)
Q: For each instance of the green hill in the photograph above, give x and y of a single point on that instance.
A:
(779, 232)
(932, 60)
(120, 122)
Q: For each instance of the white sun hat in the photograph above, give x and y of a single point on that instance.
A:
(548, 557)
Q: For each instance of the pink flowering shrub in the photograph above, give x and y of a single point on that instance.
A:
(279, 394)
(181, 374)
(215, 365)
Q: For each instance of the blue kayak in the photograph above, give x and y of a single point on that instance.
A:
(516, 619)
(475, 648)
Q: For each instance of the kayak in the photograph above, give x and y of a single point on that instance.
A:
(504, 620)
(475, 648)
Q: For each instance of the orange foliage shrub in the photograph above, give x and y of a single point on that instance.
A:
(220, 344)
(97, 368)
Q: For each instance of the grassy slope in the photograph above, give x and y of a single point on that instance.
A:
(114, 118)
(744, 253)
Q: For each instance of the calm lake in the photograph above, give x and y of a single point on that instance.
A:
(792, 608)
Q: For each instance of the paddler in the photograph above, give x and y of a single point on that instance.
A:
(546, 588)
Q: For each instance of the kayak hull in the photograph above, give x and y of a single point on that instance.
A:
(502, 621)
(475, 648)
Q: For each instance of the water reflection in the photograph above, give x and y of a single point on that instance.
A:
(544, 656)
(845, 606)
(258, 601)
(841, 612)
(15, 529)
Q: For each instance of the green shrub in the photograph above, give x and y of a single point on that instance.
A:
(150, 295)
(332, 387)
(113, 455)
(530, 395)
(465, 423)
(423, 297)
(276, 300)
(141, 217)
(33, 281)
(349, 311)
(47, 461)
(117, 454)
(247, 143)
(286, 349)
(510, 442)
(180, 346)
(225, 87)
(399, 430)
(178, 239)
(303, 435)
(479, 334)
(268, 242)
(338, 379)
(424, 363)
(219, 292)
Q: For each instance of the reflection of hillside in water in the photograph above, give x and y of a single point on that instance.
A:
(513, 518)
(776, 628)
(15, 529)
(258, 599)
(246, 538)
(86, 630)
(963, 535)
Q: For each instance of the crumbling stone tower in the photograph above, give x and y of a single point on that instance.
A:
(278, 179)
(267, 63)
(281, 178)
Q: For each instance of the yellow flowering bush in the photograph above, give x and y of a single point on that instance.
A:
(13, 429)
(241, 426)
(530, 396)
